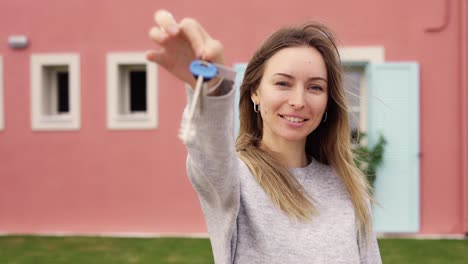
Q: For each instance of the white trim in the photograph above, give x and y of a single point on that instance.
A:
(118, 65)
(41, 66)
(365, 54)
(2, 105)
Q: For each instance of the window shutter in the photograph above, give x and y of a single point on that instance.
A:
(393, 111)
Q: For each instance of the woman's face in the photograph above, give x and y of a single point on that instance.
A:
(292, 94)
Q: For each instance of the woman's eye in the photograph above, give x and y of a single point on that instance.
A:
(316, 87)
(281, 83)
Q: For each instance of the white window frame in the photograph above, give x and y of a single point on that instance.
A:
(117, 79)
(2, 105)
(42, 64)
(362, 55)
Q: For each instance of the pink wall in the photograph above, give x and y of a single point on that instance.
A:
(97, 181)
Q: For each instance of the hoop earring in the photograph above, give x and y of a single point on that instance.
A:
(325, 118)
(256, 107)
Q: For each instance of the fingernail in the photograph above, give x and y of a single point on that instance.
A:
(200, 53)
(162, 36)
(150, 56)
(173, 29)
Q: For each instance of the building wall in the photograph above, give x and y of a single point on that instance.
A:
(95, 180)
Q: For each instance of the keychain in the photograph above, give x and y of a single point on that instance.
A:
(203, 71)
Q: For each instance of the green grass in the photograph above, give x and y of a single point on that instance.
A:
(102, 250)
(424, 251)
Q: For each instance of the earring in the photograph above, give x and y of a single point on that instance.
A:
(325, 118)
(256, 107)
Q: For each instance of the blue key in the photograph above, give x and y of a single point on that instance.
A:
(202, 68)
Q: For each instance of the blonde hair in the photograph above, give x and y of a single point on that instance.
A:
(329, 143)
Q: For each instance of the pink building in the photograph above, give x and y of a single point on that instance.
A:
(83, 151)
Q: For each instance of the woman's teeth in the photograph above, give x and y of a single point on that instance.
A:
(293, 119)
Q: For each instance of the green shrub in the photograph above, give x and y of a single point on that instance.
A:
(368, 158)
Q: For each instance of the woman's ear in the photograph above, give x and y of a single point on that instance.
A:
(254, 98)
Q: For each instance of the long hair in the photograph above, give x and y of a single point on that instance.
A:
(329, 143)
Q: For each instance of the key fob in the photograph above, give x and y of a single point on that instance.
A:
(203, 68)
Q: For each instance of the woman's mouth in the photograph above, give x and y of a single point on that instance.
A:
(293, 119)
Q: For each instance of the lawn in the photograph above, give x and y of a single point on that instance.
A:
(79, 250)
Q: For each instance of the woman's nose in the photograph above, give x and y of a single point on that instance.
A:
(296, 99)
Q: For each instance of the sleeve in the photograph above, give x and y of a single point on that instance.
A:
(212, 167)
(212, 160)
(369, 251)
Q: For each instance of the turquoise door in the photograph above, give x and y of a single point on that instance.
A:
(393, 111)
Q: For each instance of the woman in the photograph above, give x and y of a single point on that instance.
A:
(289, 191)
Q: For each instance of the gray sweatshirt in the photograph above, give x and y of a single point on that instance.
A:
(244, 225)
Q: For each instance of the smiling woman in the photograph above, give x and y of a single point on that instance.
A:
(293, 98)
(288, 191)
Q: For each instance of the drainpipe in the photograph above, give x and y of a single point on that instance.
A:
(445, 20)
(463, 73)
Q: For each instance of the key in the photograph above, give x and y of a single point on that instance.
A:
(203, 71)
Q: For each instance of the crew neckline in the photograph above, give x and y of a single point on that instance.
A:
(308, 166)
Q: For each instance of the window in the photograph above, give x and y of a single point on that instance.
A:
(2, 119)
(354, 84)
(131, 92)
(355, 61)
(55, 96)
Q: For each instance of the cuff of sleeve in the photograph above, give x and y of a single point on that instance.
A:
(220, 89)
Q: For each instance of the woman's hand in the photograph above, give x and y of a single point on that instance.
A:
(180, 44)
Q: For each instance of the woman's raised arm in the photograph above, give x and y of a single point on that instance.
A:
(181, 43)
